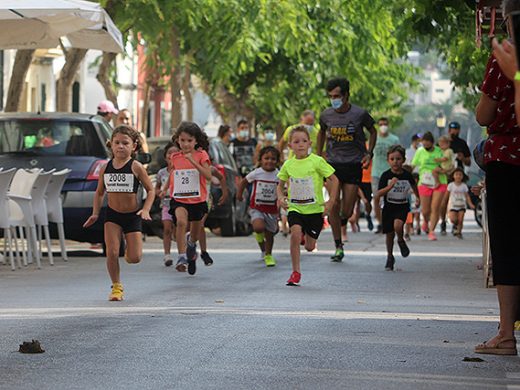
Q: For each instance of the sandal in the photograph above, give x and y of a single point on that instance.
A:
(497, 349)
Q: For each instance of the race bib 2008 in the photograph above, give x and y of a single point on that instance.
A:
(119, 182)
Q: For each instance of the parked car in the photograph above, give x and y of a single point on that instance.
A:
(232, 217)
(61, 140)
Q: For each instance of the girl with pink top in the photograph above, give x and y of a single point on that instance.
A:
(190, 170)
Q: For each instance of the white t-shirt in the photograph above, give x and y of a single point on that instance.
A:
(458, 193)
(162, 177)
(264, 191)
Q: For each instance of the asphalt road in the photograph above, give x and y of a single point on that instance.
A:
(236, 325)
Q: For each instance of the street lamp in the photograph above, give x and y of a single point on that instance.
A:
(440, 120)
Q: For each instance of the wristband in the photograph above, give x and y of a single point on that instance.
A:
(517, 76)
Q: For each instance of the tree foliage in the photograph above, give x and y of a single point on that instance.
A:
(271, 59)
(448, 26)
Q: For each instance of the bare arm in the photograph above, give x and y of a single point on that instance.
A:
(143, 177)
(321, 141)
(98, 199)
(281, 199)
(417, 196)
(241, 187)
(205, 168)
(332, 186)
(486, 110)
(383, 191)
(371, 145)
(470, 202)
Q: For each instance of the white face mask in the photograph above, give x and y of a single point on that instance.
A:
(244, 133)
(383, 129)
(269, 136)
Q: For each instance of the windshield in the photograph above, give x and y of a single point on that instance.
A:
(50, 137)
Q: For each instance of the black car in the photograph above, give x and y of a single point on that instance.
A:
(232, 217)
(61, 140)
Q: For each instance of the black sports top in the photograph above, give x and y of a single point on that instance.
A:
(120, 180)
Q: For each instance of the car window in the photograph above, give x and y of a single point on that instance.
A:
(50, 137)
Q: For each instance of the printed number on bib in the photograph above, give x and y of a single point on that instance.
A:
(458, 201)
(265, 193)
(119, 182)
(186, 183)
(302, 191)
(399, 192)
(427, 179)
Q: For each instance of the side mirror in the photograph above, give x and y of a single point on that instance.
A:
(144, 158)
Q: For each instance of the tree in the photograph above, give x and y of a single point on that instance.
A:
(22, 62)
(447, 26)
(73, 59)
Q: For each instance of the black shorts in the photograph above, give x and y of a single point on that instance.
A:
(348, 173)
(503, 215)
(367, 190)
(196, 211)
(129, 222)
(391, 213)
(311, 223)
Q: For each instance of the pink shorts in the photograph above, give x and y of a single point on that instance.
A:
(428, 191)
(165, 215)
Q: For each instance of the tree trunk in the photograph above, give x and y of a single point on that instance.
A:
(22, 62)
(176, 80)
(73, 59)
(103, 76)
(188, 98)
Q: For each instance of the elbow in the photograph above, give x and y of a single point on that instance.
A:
(482, 121)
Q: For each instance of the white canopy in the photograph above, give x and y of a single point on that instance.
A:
(32, 24)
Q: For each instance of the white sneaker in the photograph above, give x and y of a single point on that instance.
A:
(168, 261)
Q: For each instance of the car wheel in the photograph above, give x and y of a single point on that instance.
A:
(478, 212)
(227, 226)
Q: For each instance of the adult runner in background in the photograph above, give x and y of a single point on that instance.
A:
(342, 128)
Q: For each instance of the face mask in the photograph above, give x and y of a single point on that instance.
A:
(308, 127)
(244, 133)
(336, 103)
(383, 129)
(269, 136)
(232, 137)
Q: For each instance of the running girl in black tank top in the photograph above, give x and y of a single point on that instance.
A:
(120, 179)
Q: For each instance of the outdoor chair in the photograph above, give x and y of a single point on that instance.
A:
(55, 207)
(39, 207)
(21, 211)
(5, 181)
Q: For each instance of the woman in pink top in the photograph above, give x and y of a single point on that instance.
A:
(190, 170)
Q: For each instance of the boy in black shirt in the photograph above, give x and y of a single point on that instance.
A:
(395, 185)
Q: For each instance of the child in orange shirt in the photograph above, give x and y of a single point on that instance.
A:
(190, 170)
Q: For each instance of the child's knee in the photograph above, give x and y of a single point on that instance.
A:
(309, 247)
(133, 259)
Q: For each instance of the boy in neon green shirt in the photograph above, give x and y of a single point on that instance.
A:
(305, 174)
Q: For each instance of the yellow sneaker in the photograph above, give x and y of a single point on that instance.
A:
(269, 261)
(517, 325)
(117, 292)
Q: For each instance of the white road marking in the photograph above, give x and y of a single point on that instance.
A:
(54, 312)
(331, 252)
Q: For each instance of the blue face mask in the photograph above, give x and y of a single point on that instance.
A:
(336, 103)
